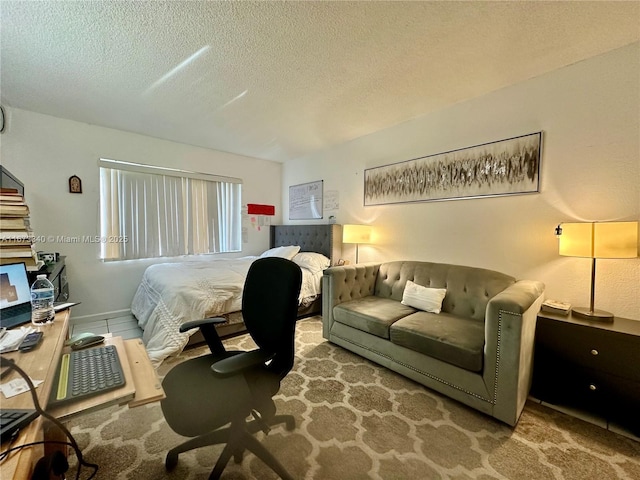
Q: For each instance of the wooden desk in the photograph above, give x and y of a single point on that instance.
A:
(39, 364)
(142, 386)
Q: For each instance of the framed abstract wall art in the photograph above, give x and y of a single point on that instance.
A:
(504, 167)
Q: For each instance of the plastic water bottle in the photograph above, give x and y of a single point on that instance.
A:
(42, 301)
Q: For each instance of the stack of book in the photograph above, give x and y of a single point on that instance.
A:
(555, 306)
(16, 236)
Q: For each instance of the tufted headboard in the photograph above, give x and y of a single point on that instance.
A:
(325, 239)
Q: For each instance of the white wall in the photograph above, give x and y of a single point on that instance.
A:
(44, 151)
(590, 170)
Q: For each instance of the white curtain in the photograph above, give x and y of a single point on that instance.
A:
(145, 215)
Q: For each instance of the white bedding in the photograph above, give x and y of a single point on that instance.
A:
(171, 294)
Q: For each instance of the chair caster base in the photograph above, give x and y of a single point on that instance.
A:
(290, 424)
(171, 461)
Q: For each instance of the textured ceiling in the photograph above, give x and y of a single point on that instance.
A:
(278, 80)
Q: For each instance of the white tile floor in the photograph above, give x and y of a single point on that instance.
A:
(125, 327)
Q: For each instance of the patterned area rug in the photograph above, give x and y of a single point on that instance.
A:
(357, 420)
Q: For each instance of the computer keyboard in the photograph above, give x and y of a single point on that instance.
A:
(13, 419)
(88, 372)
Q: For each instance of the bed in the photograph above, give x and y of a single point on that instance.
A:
(170, 294)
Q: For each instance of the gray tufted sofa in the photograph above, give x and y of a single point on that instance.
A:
(477, 350)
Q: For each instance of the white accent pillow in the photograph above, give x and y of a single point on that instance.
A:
(423, 298)
(312, 261)
(287, 252)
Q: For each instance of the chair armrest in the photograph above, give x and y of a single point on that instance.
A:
(208, 328)
(198, 323)
(240, 362)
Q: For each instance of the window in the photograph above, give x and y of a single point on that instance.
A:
(148, 212)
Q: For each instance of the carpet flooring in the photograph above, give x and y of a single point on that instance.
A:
(357, 420)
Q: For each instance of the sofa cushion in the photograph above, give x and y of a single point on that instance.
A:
(371, 314)
(452, 339)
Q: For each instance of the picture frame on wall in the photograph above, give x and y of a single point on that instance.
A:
(305, 201)
(75, 184)
(504, 167)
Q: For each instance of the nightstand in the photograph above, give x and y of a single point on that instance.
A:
(589, 365)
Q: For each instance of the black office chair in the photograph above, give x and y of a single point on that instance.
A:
(209, 392)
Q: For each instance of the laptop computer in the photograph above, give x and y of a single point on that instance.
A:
(15, 295)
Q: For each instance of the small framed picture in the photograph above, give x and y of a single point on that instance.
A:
(75, 184)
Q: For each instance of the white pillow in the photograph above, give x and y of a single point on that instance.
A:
(287, 252)
(423, 298)
(312, 261)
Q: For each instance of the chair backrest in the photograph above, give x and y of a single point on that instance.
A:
(270, 308)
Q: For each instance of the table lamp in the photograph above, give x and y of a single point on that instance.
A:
(356, 234)
(597, 240)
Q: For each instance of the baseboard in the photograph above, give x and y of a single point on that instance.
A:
(96, 317)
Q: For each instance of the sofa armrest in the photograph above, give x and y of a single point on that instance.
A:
(510, 325)
(517, 298)
(344, 283)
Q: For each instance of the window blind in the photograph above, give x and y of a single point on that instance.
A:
(148, 211)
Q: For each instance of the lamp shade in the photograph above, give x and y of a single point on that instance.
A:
(356, 234)
(599, 240)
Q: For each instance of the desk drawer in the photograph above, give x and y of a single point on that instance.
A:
(594, 348)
